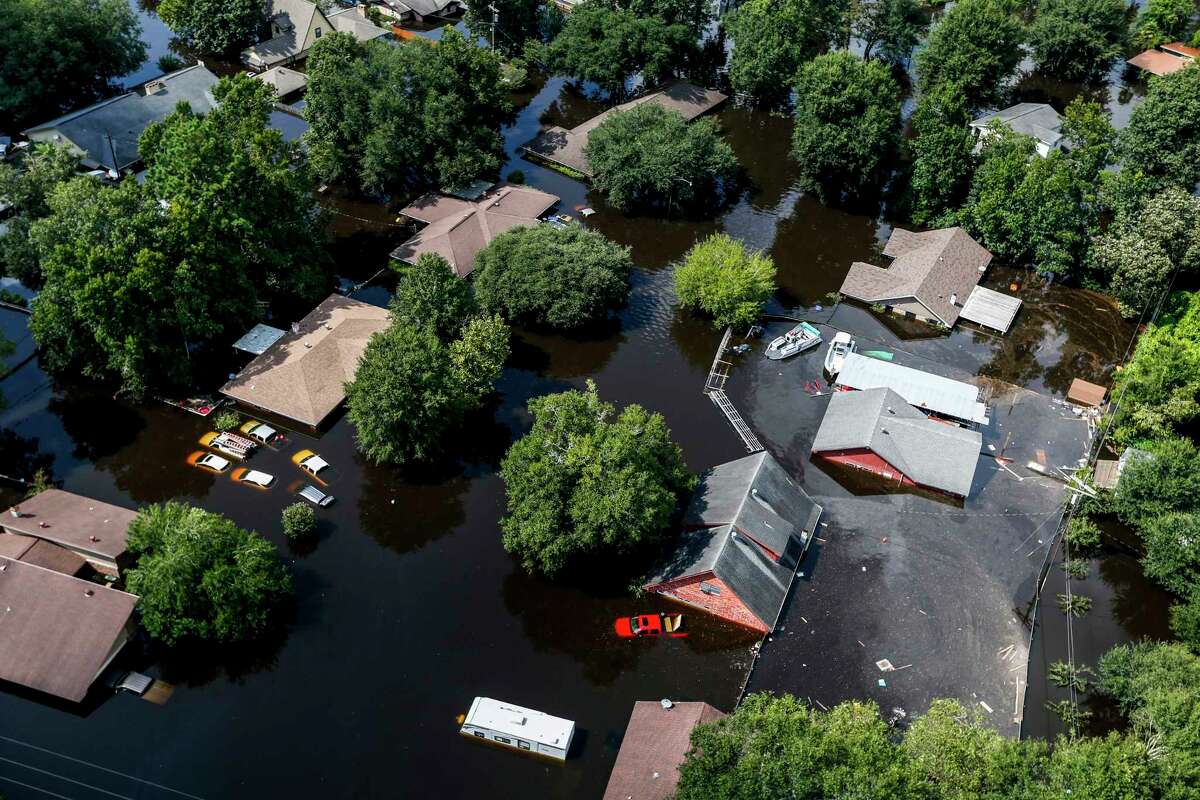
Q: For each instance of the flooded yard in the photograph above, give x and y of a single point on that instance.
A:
(407, 606)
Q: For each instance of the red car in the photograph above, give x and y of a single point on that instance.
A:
(650, 625)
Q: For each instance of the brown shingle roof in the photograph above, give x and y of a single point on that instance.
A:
(303, 375)
(931, 267)
(458, 229)
(57, 632)
(655, 743)
(72, 520)
(1170, 58)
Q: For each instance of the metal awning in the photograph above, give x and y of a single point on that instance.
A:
(990, 309)
(923, 390)
(259, 339)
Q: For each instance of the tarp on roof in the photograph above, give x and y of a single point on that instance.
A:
(258, 339)
(925, 390)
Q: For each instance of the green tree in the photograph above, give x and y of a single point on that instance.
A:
(607, 47)
(411, 388)
(775, 747)
(1185, 621)
(430, 294)
(517, 21)
(771, 39)
(943, 157)
(403, 117)
(964, 759)
(59, 55)
(725, 280)
(202, 578)
(214, 26)
(847, 122)
(555, 277)
(1164, 21)
(26, 189)
(1078, 39)
(890, 27)
(1115, 767)
(585, 483)
(1166, 480)
(693, 14)
(1172, 555)
(1142, 251)
(299, 521)
(1162, 140)
(650, 157)
(976, 46)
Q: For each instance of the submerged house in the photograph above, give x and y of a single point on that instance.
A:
(1038, 120)
(656, 741)
(296, 25)
(1165, 59)
(745, 530)
(64, 531)
(876, 431)
(931, 277)
(58, 633)
(457, 229)
(105, 135)
(421, 10)
(302, 376)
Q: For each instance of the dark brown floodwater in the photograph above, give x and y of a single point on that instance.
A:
(407, 606)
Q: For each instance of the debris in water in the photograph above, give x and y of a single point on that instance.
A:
(882, 682)
(986, 707)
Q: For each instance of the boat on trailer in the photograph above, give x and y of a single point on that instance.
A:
(839, 348)
(797, 340)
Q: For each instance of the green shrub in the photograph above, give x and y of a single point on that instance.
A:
(227, 421)
(1082, 533)
(299, 521)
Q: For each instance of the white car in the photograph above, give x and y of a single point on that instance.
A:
(253, 477)
(210, 462)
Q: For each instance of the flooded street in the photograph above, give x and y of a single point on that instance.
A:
(407, 606)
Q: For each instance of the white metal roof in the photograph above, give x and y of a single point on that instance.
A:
(991, 309)
(524, 723)
(921, 389)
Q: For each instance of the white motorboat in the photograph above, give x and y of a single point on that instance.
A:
(797, 340)
(841, 346)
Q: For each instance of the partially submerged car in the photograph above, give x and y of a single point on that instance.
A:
(209, 462)
(311, 463)
(252, 477)
(649, 626)
(230, 444)
(260, 431)
(315, 496)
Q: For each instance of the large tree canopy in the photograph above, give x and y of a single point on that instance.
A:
(651, 157)
(26, 189)
(134, 274)
(771, 39)
(607, 46)
(214, 26)
(847, 122)
(722, 278)
(62, 54)
(414, 115)
(585, 483)
(202, 578)
(1165, 21)
(1162, 139)
(1077, 39)
(515, 22)
(943, 155)
(889, 28)
(556, 277)
(1164, 481)
(430, 294)
(975, 46)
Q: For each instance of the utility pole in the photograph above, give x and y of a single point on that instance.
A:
(116, 168)
(495, 19)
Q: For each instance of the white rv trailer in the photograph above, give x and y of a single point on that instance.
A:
(519, 728)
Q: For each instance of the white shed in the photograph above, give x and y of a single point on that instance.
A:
(519, 728)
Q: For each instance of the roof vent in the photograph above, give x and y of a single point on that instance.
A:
(883, 430)
(891, 410)
(93, 538)
(88, 592)
(155, 87)
(665, 703)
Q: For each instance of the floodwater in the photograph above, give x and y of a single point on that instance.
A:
(407, 606)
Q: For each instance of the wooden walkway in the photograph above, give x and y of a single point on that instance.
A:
(714, 387)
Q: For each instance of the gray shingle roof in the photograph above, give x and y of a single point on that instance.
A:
(932, 454)
(933, 267)
(739, 506)
(114, 125)
(1032, 119)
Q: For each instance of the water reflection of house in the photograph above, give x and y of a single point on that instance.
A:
(296, 25)
(303, 375)
(876, 431)
(62, 530)
(105, 135)
(457, 229)
(1038, 120)
(1165, 59)
(656, 741)
(745, 530)
(58, 632)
